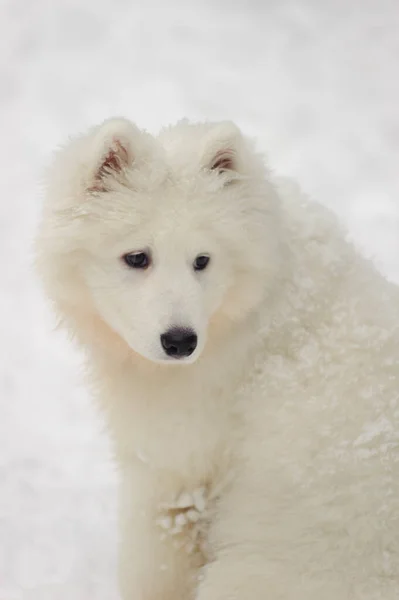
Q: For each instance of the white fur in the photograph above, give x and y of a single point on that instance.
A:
(266, 465)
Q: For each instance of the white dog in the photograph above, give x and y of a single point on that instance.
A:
(246, 359)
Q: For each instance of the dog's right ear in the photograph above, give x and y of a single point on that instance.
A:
(112, 152)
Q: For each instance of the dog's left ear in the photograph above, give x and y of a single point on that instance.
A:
(222, 149)
(113, 151)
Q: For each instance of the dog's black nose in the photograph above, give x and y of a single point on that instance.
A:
(179, 342)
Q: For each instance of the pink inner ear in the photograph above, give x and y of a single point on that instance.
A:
(114, 161)
(223, 161)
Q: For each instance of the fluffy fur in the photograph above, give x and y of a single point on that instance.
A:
(265, 465)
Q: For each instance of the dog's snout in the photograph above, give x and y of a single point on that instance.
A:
(179, 342)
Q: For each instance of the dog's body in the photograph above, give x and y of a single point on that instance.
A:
(258, 451)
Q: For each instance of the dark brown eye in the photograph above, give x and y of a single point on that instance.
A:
(201, 262)
(137, 260)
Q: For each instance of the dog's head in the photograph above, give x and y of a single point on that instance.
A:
(159, 237)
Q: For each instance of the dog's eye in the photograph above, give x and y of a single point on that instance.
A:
(137, 260)
(201, 262)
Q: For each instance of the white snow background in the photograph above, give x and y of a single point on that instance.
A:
(315, 80)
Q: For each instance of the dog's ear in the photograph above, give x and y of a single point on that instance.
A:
(113, 151)
(221, 150)
(224, 160)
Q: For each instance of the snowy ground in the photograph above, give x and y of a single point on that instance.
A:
(315, 80)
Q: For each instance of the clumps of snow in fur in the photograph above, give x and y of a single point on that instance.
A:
(185, 519)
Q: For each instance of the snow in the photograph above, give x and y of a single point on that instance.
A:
(316, 82)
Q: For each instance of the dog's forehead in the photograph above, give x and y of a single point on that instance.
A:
(183, 146)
